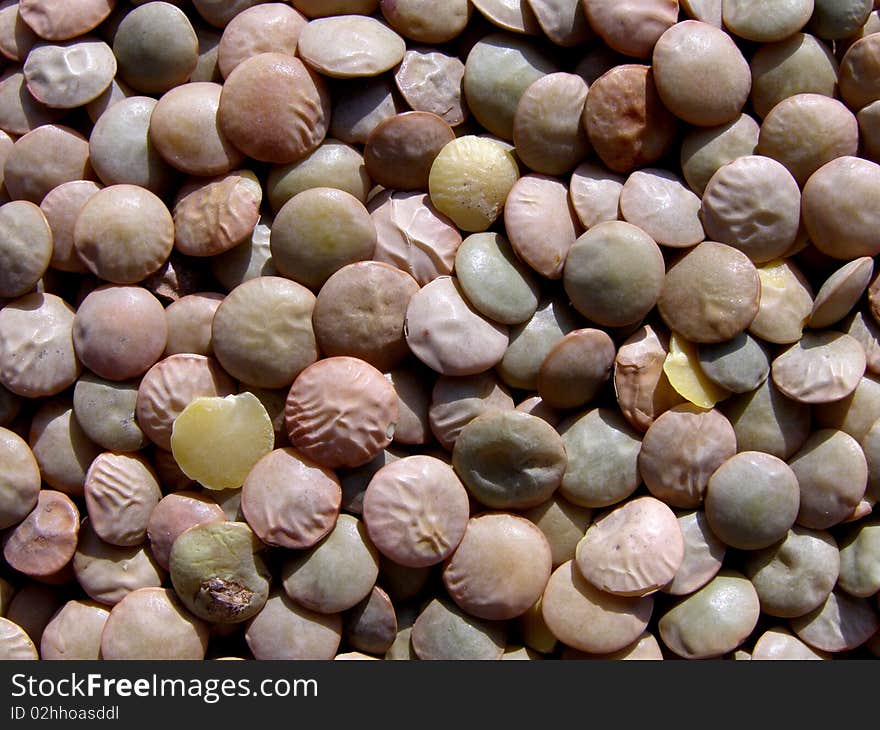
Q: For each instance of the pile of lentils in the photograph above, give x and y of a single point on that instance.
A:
(459, 329)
